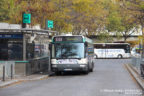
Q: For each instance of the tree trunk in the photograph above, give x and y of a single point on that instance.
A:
(125, 38)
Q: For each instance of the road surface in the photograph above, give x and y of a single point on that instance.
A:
(110, 78)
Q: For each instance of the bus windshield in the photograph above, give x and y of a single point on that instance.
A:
(68, 50)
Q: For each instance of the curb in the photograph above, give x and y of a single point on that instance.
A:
(34, 79)
(51, 74)
(136, 76)
(9, 83)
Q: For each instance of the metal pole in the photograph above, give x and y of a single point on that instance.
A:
(142, 56)
(3, 73)
(11, 71)
(24, 47)
(49, 63)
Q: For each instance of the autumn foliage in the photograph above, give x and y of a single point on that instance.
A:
(79, 16)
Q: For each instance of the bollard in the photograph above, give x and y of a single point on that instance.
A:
(11, 71)
(49, 65)
(3, 73)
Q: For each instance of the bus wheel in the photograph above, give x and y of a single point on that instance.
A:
(96, 57)
(87, 71)
(58, 73)
(119, 56)
(142, 74)
(91, 70)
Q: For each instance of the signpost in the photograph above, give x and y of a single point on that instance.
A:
(49, 24)
(26, 18)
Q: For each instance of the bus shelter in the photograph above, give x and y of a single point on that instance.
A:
(27, 48)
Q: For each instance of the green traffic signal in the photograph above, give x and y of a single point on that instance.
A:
(50, 24)
(26, 18)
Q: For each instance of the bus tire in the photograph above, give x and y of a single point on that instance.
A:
(86, 72)
(142, 74)
(119, 56)
(96, 57)
(58, 73)
(91, 70)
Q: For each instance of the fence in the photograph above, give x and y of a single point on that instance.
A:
(37, 65)
(7, 69)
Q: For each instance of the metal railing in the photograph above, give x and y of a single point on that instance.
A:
(136, 61)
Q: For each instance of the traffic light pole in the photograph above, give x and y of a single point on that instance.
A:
(49, 61)
(142, 55)
(23, 24)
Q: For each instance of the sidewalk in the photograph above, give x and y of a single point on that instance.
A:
(136, 75)
(17, 79)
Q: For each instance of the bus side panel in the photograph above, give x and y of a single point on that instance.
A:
(100, 53)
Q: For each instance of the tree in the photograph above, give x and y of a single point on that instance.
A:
(128, 23)
(3, 11)
(7, 10)
(89, 16)
(137, 7)
(61, 16)
(137, 11)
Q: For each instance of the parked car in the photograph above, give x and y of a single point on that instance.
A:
(135, 52)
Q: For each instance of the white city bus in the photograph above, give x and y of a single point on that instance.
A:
(72, 53)
(112, 50)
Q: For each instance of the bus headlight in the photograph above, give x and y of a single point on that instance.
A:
(54, 61)
(82, 65)
(83, 61)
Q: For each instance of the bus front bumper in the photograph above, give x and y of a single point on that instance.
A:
(69, 67)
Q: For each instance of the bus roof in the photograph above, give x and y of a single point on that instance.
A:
(113, 43)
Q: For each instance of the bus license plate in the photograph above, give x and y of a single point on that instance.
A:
(67, 69)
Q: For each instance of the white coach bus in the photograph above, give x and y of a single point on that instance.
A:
(112, 50)
(72, 53)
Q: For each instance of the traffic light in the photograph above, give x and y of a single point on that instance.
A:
(23, 24)
(26, 18)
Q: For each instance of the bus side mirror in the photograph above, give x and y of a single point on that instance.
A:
(86, 44)
(86, 53)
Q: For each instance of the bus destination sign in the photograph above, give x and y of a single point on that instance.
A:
(68, 39)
